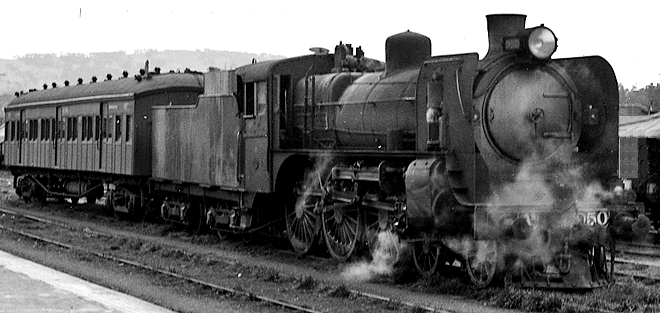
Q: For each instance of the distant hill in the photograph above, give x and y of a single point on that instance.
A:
(34, 70)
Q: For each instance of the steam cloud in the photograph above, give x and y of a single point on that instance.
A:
(314, 179)
(557, 187)
(386, 254)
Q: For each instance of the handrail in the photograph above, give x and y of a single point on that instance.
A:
(338, 103)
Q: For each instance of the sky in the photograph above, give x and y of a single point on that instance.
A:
(623, 32)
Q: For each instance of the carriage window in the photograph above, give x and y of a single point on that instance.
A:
(23, 129)
(63, 128)
(45, 129)
(104, 128)
(128, 128)
(249, 100)
(75, 128)
(97, 133)
(7, 125)
(90, 127)
(117, 127)
(69, 128)
(84, 128)
(53, 128)
(109, 127)
(34, 127)
(72, 128)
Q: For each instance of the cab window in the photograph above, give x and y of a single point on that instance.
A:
(249, 102)
(262, 95)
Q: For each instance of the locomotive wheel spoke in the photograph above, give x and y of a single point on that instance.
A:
(302, 223)
(341, 228)
(481, 262)
(604, 256)
(426, 256)
(382, 242)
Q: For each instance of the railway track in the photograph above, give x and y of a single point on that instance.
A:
(91, 231)
(212, 286)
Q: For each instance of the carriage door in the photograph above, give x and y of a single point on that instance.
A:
(255, 137)
(107, 137)
(98, 138)
(58, 136)
(47, 140)
(21, 137)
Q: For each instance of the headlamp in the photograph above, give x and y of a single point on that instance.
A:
(539, 42)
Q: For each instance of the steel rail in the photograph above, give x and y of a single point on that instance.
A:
(194, 280)
(213, 286)
(232, 290)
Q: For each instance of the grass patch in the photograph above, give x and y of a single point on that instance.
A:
(307, 283)
(340, 291)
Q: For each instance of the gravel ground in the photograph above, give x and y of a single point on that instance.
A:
(265, 265)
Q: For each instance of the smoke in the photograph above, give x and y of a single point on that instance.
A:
(527, 187)
(545, 198)
(386, 253)
(314, 180)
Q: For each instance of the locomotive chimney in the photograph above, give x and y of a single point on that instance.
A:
(500, 26)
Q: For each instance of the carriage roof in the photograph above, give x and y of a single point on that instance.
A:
(129, 87)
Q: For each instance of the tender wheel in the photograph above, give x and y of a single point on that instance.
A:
(196, 218)
(302, 223)
(481, 262)
(124, 202)
(43, 199)
(341, 227)
(426, 255)
(27, 189)
(74, 200)
(382, 242)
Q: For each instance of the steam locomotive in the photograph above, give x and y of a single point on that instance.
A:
(506, 164)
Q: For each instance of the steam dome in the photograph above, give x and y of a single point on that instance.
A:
(404, 50)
